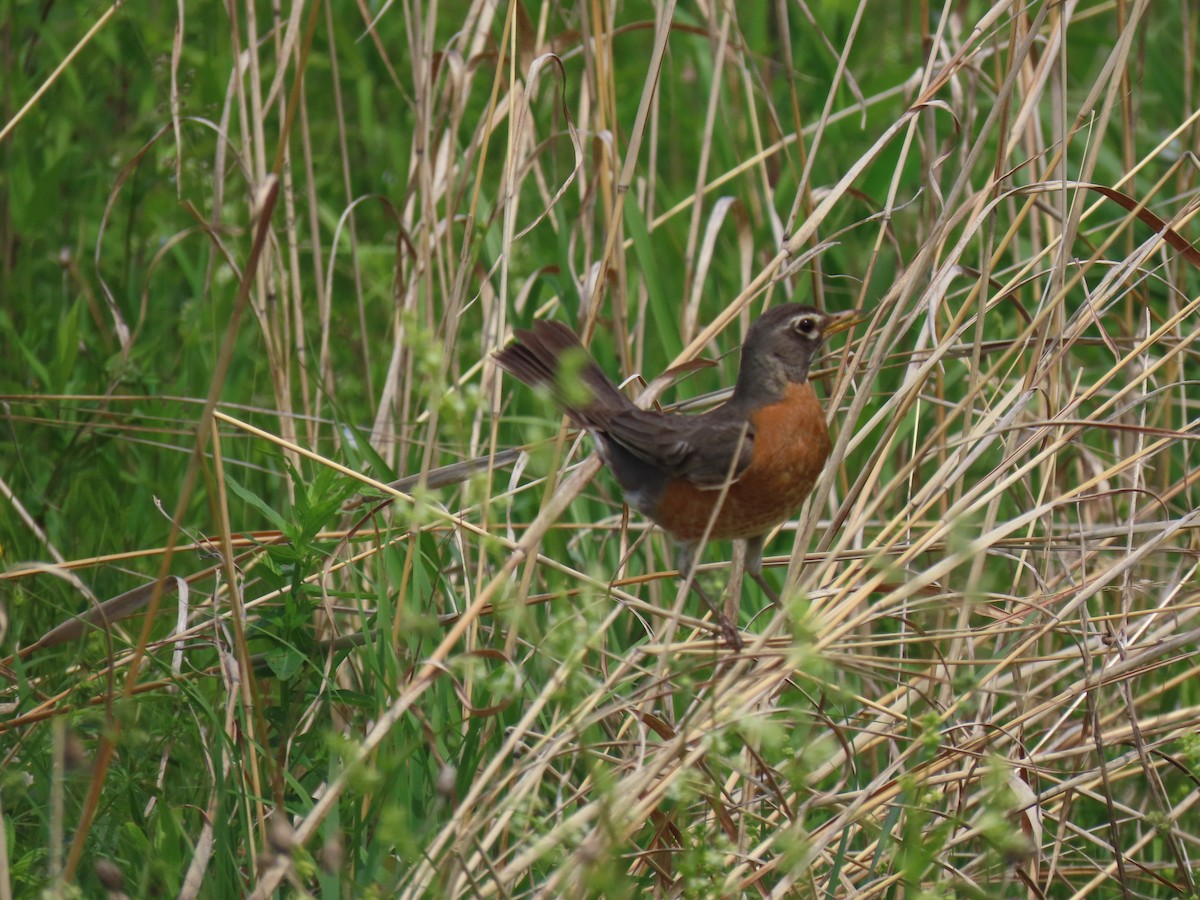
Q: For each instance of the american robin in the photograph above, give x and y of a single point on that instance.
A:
(734, 472)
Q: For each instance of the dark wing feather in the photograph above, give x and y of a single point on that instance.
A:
(699, 449)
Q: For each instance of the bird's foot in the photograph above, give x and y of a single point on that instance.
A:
(767, 589)
(730, 633)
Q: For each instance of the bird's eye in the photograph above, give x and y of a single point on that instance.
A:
(805, 325)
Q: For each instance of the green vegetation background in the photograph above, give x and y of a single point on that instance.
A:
(123, 227)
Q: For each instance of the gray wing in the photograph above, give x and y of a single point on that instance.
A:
(702, 450)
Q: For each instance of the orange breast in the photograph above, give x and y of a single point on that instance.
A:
(791, 445)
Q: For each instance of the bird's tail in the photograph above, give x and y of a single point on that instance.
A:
(551, 355)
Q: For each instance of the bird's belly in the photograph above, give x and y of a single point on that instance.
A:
(791, 446)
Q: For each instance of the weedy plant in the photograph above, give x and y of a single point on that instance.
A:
(254, 263)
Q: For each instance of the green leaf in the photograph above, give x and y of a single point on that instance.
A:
(258, 503)
(285, 662)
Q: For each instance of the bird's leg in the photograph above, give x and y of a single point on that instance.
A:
(754, 555)
(687, 559)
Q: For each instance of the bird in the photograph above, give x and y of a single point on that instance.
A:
(731, 473)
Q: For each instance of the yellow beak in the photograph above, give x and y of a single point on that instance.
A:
(840, 321)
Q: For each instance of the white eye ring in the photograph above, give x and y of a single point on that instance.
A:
(805, 325)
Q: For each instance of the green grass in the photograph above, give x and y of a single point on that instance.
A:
(983, 680)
